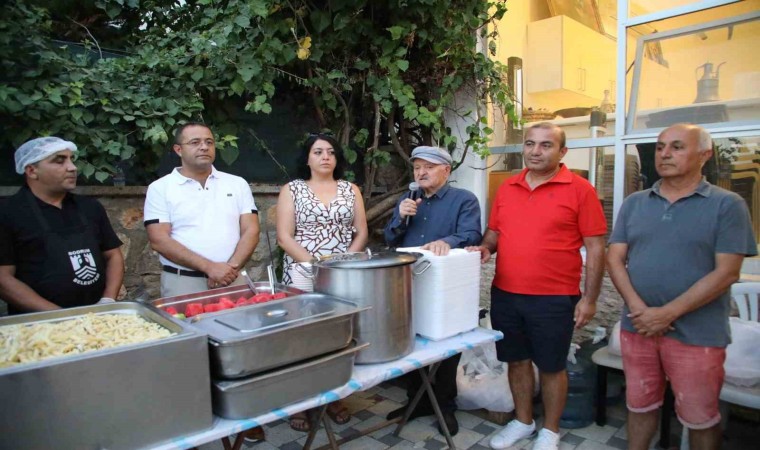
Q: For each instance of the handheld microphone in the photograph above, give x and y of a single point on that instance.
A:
(414, 190)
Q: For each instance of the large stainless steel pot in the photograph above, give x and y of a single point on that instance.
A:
(383, 281)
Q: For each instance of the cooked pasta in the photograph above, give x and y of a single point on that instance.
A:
(25, 343)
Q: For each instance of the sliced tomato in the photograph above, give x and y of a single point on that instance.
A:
(171, 310)
(212, 307)
(242, 301)
(261, 298)
(225, 303)
(193, 309)
(279, 295)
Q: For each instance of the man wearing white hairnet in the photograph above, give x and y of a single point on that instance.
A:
(57, 249)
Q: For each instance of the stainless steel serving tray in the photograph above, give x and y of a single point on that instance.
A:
(253, 339)
(59, 315)
(116, 398)
(252, 396)
(180, 302)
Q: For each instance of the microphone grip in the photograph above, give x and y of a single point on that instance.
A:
(412, 196)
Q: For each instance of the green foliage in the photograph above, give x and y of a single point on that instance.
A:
(109, 107)
(215, 60)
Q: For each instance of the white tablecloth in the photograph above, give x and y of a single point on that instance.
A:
(363, 377)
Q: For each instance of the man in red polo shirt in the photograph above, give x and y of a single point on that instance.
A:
(539, 221)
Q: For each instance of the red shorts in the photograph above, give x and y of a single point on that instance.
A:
(695, 374)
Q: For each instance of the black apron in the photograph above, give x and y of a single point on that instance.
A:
(74, 269)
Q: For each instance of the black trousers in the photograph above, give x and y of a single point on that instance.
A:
(445, 385)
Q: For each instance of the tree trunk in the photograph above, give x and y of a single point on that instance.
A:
(371, 167)
(382, 207)
(380, 221)
(376, 200)
(397, 145)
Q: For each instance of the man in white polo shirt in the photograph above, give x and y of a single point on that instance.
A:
(202, 222)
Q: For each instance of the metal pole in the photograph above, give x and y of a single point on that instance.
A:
(596, 154)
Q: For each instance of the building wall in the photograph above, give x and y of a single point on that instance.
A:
(471, 174)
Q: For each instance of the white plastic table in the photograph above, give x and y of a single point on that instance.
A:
(363, 377)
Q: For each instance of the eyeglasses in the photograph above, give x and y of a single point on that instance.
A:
(197, 143)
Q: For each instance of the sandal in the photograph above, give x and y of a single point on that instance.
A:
(254, 435)
(300, 422)
(338, 412)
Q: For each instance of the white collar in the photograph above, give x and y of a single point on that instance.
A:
(180, 179)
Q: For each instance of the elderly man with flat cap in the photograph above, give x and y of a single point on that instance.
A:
(57, 249)
(438, 218)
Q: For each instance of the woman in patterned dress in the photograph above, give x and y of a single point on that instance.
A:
(319, 214)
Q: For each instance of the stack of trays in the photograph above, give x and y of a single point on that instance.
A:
(269, 355)
(446, 297)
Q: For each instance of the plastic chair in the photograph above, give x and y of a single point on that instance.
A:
(745, 295)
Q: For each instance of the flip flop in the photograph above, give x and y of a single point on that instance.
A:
(338, 412)
(300, 422)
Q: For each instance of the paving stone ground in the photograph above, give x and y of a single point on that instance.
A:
(475, 429)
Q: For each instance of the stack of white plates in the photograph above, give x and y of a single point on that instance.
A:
(446, 297)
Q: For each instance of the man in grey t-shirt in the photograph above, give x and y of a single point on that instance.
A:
(675, 251)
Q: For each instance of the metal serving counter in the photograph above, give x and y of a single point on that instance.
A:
(425, 352)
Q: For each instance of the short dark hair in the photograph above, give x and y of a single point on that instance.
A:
(181, 129)
(304, 172)
(550, 126)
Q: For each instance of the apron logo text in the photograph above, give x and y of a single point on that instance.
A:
(84, 267)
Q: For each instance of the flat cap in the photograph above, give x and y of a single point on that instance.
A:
(434, 155)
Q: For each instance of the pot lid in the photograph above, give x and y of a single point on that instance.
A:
(366, 260)
(249, 322)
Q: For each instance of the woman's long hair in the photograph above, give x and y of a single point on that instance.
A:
(303, 170)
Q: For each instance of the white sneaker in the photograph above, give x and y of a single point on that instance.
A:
(547, 440)
(514, 431)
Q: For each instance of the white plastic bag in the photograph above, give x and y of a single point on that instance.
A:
(614, 346)
(482, 381)
(742, 358)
